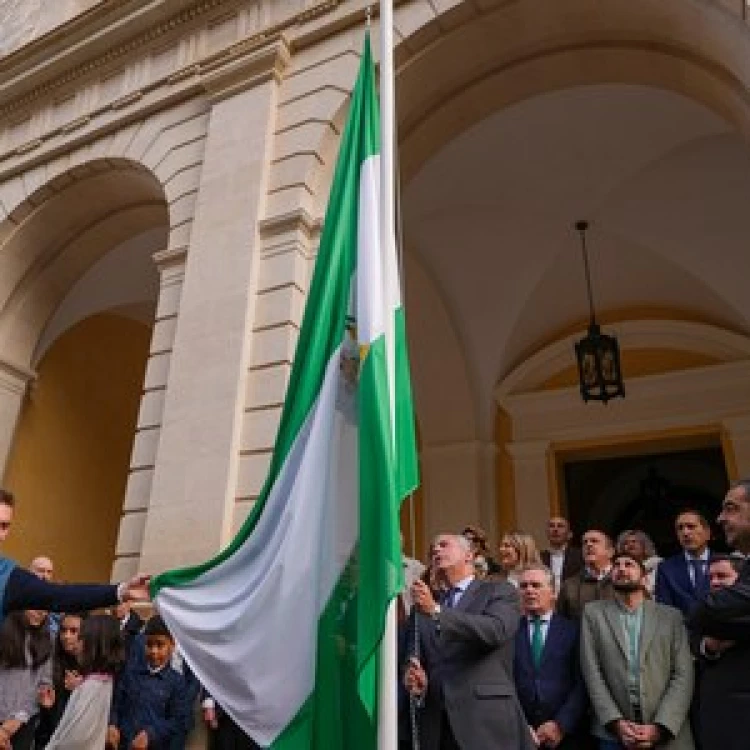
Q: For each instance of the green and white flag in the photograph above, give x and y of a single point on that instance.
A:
(284, 627)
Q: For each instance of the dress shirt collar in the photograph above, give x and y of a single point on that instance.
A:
(702, 557)
(463, 584)
(546, 617)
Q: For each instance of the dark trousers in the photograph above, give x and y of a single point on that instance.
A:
(23, 739)
(447, 740)
(228, 736)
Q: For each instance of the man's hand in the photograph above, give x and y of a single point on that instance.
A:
(210, 719)
(5, 743)
(140, 741)
(113, 736)
(627, 731)
(415, 678)
(135, 590)
(421, 595)
(549, 734)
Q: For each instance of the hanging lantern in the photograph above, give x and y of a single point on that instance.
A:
(598, 354)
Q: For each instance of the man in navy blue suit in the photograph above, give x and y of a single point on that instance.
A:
(682, 580)
(20, 589)
(546, 667)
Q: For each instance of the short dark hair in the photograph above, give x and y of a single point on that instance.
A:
(624, 555)
(6, 498)
(699, 514)
(609, 543)
(103, 649)
(734, 560)
(157, 626)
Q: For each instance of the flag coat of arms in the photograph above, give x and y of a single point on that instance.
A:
(284, 626)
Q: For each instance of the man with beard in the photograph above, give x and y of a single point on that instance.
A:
(637, 666)
(723, 622)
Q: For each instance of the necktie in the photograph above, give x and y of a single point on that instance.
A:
(699, 575)
(537, 641)
(450, 597)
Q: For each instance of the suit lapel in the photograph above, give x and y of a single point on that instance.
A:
(612, 615)
(683, 575)
(467, 596)
(648, 629)
(552, 634)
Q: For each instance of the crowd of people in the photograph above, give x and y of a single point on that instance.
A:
(601, 646)
(80, 681)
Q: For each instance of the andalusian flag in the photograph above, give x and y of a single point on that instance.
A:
(284, 627)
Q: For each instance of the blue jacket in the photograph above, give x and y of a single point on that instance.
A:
(20, 589)
(674, 586)
(157, 702)
(556, 691)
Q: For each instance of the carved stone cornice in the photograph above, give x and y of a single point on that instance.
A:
(99, 19)
(245, 66)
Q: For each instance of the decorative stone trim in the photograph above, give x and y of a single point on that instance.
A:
(245, 66)
(297, 220)
(15, 378)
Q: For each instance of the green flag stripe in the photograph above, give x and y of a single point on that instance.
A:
(324, 320)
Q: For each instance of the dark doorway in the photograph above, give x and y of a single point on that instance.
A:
(646, 492)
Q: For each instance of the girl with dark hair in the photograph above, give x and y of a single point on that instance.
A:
(25, 669)
(66, 674)
(83, 725)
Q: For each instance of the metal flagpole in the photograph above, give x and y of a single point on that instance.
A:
(388, 707)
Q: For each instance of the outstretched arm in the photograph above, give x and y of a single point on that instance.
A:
(26, 591)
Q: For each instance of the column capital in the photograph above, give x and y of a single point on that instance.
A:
(15, 378)
(246, 66)
(529, 450)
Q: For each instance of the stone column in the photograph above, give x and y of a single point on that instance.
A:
(14, 381)
(532, 490)
(195, 476)
(737, 432)
(171, 266)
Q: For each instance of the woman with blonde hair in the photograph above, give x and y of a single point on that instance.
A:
(515, 550)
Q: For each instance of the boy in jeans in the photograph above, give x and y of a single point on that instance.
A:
(151, 705)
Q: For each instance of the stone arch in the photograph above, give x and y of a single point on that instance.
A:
(694, 337)
(695, 49)
(59, 232)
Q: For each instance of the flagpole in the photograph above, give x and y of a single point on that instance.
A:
(387, 704)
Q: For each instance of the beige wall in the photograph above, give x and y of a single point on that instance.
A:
(69, 463)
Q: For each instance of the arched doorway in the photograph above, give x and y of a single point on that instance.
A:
(78, 311)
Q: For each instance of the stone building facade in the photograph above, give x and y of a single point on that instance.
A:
(164, 171)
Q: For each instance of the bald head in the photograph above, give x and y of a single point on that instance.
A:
(43, 568)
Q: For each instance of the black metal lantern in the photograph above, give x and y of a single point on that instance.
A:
(598, 354)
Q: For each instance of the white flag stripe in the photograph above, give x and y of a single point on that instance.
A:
(378, 291)
(272, 591)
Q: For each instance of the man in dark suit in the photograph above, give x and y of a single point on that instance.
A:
(562, 558)
(547, 667)
(723, 621)
(463, 671)
(20, 589)
(682, 580)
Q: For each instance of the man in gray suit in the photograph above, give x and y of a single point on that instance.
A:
(636, 662)
(462, 670)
